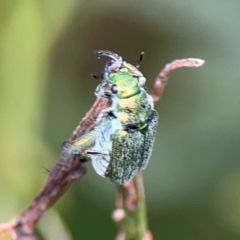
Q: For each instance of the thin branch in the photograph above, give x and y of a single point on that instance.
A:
(131, 214)
(67, 169)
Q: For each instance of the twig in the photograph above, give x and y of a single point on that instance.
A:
(131, 214)
(67, 169)
(131, 198)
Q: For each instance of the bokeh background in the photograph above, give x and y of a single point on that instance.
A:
(46, 57)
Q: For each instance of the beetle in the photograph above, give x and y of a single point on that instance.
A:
(121, 143)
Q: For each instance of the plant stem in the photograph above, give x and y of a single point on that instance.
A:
(131, 213)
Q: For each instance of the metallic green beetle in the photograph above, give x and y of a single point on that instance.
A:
(121, 143)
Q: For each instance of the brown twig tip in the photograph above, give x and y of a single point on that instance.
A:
(186, 62)
(162, 78)
(199, 62)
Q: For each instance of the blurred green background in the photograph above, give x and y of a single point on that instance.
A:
(46, 57)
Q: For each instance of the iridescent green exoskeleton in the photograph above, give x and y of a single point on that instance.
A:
(121, 143)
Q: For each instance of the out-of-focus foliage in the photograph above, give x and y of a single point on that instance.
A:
(46, 57)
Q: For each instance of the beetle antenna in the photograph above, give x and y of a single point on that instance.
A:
(140, 59)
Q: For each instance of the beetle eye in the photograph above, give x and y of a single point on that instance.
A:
(114, 89)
